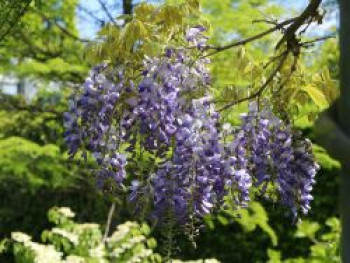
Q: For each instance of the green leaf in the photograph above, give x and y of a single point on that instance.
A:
(307, 229)
(333, 223)
(316, 95)
(256, 216)
(274, 256)
(151, 243)
(145, 229)
(223, 220)
(319, 250)
(4, 245)
(323, 158)
(209, 222)
(194, 4)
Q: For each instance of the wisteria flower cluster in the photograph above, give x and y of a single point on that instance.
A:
(275, 155)
(90, 124)
(168, 116)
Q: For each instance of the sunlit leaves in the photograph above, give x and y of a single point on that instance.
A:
(307, 229)
(303, 92)
(316, 96)
(133, 34)
(46, 32)
(325, 246)
(256, 216)
(249, 219)
(144, 11)
(169, 16)
(29, 164)
(143, 33)
(327, 85)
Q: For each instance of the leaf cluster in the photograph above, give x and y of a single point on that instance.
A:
(41, 44)
(325, 247)
(146, 32)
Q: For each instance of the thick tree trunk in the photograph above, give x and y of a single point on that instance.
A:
(333, 128)
(345, 212)
(344, 123)
(127, 7)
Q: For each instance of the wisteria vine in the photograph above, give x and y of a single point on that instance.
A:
(198, 163)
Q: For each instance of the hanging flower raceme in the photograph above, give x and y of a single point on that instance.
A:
(89, 123)
(196, 163)
(275, 154)
(161, 94)
(191, 184)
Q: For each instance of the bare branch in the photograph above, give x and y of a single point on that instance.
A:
(105, 9)
(311, 42)
(306, 16)
(243, 42)
(90, 13)
(63, 29)
(309, 14)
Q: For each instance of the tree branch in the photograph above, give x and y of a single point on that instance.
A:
(90, 13)
(63, 29)
(109, 15)
(309, 13)
(109, 221)
(311, 42)
(293, 45)
(243, 42)
(127, 7)
(263, 87)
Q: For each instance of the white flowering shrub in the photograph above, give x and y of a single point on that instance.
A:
(73, 242)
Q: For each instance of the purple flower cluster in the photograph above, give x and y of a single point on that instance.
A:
(197, 176)
(198, 165)
(274, 154)
(90, 125)
(200, 172)
(169, 118)
(161, 95)
(187, 183)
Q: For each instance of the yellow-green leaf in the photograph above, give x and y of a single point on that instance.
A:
(316, 95)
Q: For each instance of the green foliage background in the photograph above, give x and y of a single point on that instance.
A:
(35, 174)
